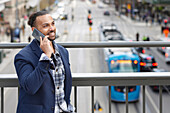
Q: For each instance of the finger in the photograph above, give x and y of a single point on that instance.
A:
(46, 38)
(40, 40)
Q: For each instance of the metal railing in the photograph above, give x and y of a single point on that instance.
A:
(101, 79)
(95, 44)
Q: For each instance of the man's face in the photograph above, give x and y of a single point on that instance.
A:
(46, 25)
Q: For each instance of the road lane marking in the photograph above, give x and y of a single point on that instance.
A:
(152, 102)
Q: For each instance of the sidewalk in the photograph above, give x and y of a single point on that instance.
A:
(137, 23)
(155, 27)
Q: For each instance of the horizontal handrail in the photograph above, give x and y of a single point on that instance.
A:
(95, 44)
(103, 79)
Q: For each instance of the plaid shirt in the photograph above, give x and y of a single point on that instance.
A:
(58, 74)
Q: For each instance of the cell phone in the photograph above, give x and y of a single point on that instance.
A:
(36, 34)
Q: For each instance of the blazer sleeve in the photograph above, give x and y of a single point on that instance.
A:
(30, 78)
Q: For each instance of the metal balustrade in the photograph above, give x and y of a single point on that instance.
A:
(100, 79)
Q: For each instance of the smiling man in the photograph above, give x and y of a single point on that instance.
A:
(43, 71)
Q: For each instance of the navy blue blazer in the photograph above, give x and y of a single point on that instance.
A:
(37, 90)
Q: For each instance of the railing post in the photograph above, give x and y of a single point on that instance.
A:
(75, 97)
(126, 99)
(92, 91)
(2, 100)
(143, 87)
(109, 99)
(160, 99)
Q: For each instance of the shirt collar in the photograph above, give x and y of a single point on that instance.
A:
(56, 48)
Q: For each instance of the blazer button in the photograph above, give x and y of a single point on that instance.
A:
(52, 108)
(58, 87)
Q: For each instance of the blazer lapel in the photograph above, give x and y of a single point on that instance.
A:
(36, 48)
(37, 51)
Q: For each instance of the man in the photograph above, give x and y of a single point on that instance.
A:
(43, 71)
(137, 36)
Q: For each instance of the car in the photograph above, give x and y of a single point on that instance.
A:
(167, 55)
(140, 50)
(101, 5)
(64, 16)
(114, 36)
(105, 29)
(147, 62)
(164, 39)
(106, 13)
(108, 25)
(156, 87)
(55, 16)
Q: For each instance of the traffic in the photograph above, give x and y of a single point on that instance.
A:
(120, 60)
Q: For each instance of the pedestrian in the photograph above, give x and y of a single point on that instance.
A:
(146, 21)
(16, 34)
(72, 14)
(147, 39)
(43, 71)
(23, 28)
(8, 30)
(137, 36)
(29, 39)
(12, 34)
(144, 38)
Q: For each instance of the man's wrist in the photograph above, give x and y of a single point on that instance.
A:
(49, 55)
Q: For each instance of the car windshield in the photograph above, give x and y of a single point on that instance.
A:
(113, 33)
(123, 66)
(113, 36)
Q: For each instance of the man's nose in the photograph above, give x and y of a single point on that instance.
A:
(52, 28)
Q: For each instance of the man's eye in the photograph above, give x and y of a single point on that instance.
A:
(45, 26)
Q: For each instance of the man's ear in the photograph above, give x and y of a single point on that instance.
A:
(33, 28)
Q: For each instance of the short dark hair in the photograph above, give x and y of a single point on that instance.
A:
(34, 15)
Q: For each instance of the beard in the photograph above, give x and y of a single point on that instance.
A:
(52, 35)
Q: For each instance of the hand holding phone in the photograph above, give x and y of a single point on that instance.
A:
(46, 46)
(36, 34)
(44, 42)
